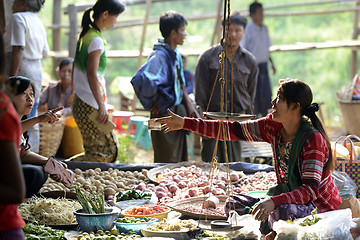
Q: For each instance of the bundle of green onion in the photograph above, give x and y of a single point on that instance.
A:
(92, 203)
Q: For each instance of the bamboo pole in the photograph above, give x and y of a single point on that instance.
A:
(146, 19)
(354, 60)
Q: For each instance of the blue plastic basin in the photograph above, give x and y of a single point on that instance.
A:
(94, 222)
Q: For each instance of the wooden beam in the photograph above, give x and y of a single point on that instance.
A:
(84, 6)
(300, 46)
(303, 4)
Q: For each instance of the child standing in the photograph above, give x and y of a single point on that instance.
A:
(257, 41)
(88, 77)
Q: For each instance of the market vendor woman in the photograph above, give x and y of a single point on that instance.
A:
(302, 154)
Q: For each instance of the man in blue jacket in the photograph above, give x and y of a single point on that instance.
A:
(157, 84)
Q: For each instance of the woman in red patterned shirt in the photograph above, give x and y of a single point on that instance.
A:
(12, 186)
(302, 154)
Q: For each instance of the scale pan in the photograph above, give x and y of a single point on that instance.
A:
(229, 116)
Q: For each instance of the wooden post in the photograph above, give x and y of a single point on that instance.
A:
(72, 11)
(216, 33)
(2, 17)
(143, 36)
(354, 61)
(56, 31)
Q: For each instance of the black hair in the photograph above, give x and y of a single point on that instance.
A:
(65, 62)
(114, 7)
(253, 7)
(18, 85)
(34, 5)
(296, 91)
(169, 21)
(236, 18)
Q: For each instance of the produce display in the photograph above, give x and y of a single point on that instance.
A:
(146, 210)
(175, 226)
(134, 220)
(180, 186)
(49, 211)
(39, 232)
(111, 181)
(197, 208)
(133, 195)
(192, 181)
(113, 235)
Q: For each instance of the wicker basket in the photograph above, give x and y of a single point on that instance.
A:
(50, 137)
(350, 113)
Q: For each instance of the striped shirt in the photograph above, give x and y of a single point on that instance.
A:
(317, 184)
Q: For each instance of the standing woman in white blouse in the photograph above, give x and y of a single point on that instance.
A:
(25, 46)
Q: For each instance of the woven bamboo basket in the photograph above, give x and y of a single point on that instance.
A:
(350, 113)
(50, 137)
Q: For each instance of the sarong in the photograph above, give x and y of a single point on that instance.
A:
(98, 146)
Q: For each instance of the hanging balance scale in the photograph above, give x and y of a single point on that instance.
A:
(224, 116)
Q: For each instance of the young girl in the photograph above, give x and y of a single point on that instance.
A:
(32, 163)
(25, 46)
(301, 153)
(88, 77)
(57, 95)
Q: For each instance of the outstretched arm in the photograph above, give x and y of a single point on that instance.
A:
(49, 116)
(172, 122)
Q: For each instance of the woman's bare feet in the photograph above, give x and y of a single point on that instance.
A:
(270, 236)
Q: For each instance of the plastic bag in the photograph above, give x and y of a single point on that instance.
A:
(250, 229)
(332, 225)
(346, 186)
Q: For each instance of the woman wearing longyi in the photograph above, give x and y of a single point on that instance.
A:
(89, 80)
(302, 154)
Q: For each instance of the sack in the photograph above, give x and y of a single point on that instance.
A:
(347, 94)
(350, 166)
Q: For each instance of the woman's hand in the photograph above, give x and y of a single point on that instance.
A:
(50, 116)
(263, 210)
(56, 177)
(172, 122)
(103, 114)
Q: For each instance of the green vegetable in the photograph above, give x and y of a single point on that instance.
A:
(101, 235)
(92, 203)
(132, 195)
(312, 220)
(41, 232)
(134, 220)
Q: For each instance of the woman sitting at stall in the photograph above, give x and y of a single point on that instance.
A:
(22, 94)
(57, 95)
(302, 154)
